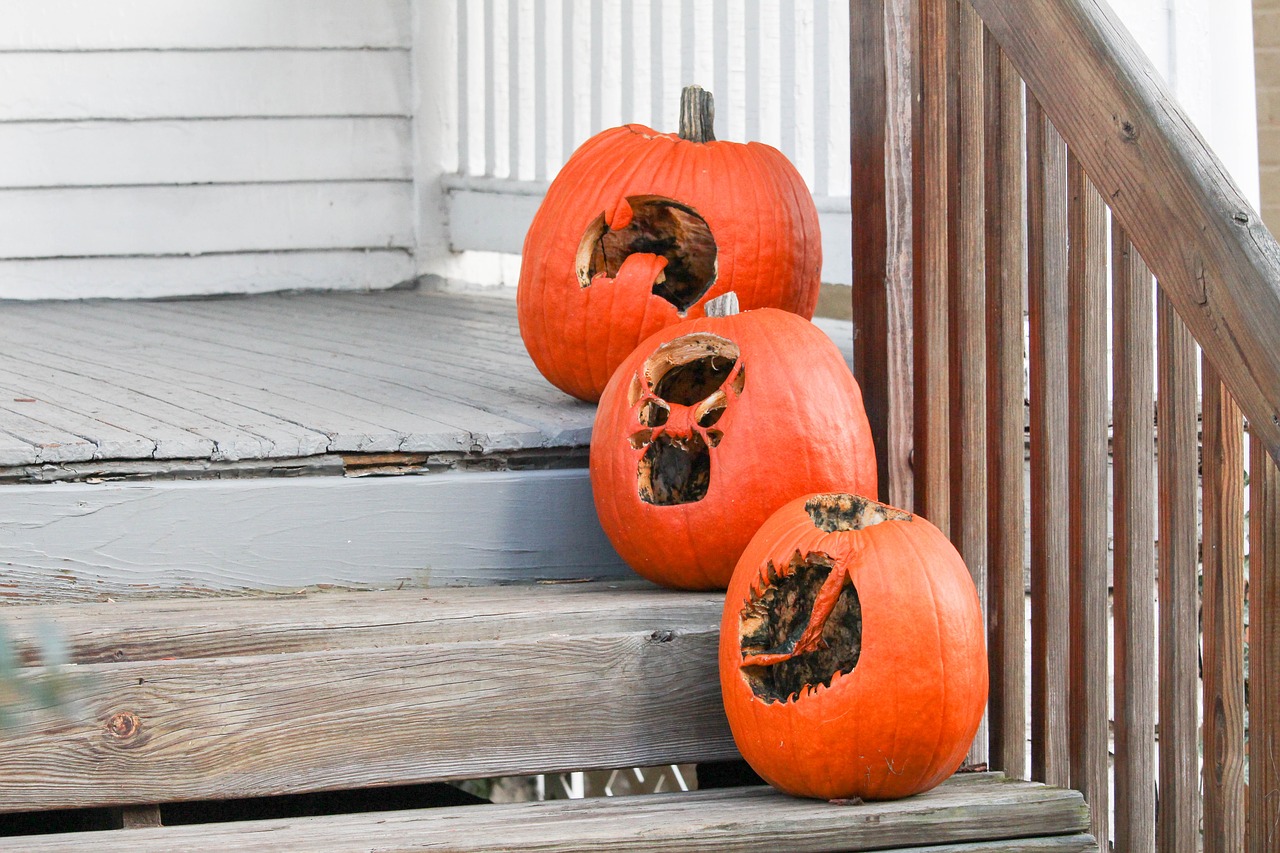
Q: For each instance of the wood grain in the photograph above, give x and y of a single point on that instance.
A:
(1087, 470)
(582, 692)
(967, 319)
(1134, 490)
(867, 140)
(1222, 473)
(1208, 248)
(1047, 362)
(1178, 827)
(1006, 418)
(900, 18)
(961, 816)
(1264, 650)
(930, 204)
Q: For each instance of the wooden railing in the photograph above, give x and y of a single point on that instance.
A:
(1099, 140)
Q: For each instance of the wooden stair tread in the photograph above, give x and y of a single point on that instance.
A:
(967, 813)
(257, 698)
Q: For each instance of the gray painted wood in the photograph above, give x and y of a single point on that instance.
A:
(77, 542)
(279, 376)
(961, 814)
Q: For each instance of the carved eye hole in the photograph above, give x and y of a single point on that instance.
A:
(654, 414)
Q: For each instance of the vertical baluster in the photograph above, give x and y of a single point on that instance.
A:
(1133, 603)
(822, 94)
(464, 89)
(596, 15)
(1087, 427)
(867, 117)
(569, 141)
(1047, 310)
(657, 66)
(514, 42)
(1178, 827)
(1006, 616)
(490, 91)
(1222, 472)
(931, 456)
(967, 318)
(541, 126)
(1264, 651)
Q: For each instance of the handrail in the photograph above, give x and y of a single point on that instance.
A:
(1210, 251)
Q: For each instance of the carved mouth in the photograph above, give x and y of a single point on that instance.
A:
(772, 629)
(651, 228)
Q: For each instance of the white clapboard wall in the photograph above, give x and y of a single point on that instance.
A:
(150, 147)
(158, 147)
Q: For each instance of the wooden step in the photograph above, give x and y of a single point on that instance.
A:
(245, 444)
(979, 812)
(207, 699)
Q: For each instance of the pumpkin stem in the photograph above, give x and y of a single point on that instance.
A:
(697, 115)
(725, 305)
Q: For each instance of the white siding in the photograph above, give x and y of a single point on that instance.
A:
(157, 148)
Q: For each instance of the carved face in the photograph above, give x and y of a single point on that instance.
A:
(852, 651)
(711, 425)
(679, 396)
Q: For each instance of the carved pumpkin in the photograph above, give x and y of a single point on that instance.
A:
(852, 653)
(711, 425)
(640, 229)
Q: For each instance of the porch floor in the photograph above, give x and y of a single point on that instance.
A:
(280, 383)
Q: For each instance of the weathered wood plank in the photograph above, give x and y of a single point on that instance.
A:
(868, 102)
(328, 621)
(198, 219)
(244, 272)
(1087, 471)
(175, 84)
(1006, 418)
(282, 534)
(960, 815)
(101, 153)
(1208, 247)
(1048, 363)
(1222, 474)
(900, 18)
(967, 319)
(1134, 489)
(1264, 650)
(203, 24)
(930, 181)
(1178, 827)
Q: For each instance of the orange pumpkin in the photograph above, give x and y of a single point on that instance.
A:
(852, 653)
(711, 425)
(640, 229)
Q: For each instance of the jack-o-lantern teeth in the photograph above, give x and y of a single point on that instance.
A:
(654, 226)
(800, 628)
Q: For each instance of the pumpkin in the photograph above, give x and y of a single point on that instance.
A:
(640, 229)
(712, 424)
(852, 653)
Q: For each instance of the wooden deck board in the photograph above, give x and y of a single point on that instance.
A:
(279, 376)
(986, 813)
